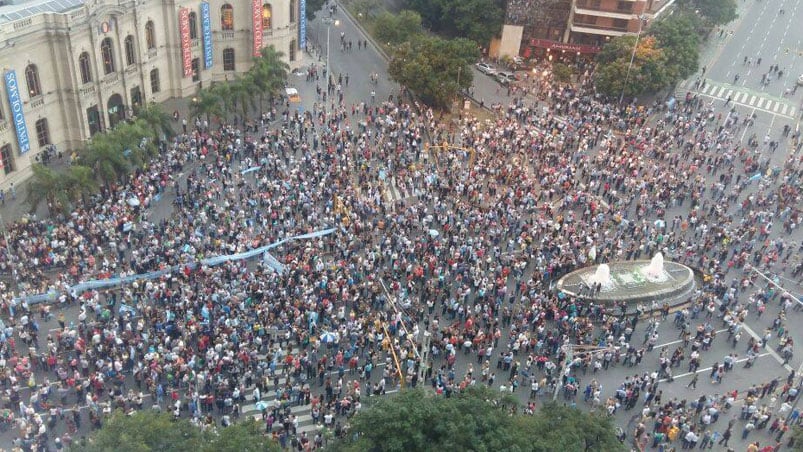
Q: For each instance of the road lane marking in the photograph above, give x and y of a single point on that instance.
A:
(706, 369)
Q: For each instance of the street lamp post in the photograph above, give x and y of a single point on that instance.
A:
(641, 20)
(328, 21)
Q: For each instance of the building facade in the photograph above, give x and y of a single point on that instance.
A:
(577, 26)
(83, 66)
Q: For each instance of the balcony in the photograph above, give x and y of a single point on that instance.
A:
(86, 91)
(3, 125)
(37, 102)
(152, 53)
(604, 13)
(194, 43)
(227, 35)
(111, 79)
(597, 30)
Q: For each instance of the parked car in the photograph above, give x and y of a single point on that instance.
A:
(505, 78)
(485, 68)
(800, 80)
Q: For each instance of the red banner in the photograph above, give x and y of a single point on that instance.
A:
(555, 45)
(186, 44)
(256, 19)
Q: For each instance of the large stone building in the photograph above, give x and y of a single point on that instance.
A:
(73, 68)
(538, 27)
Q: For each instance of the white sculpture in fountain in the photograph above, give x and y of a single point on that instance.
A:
(601, 276)
(655, 269)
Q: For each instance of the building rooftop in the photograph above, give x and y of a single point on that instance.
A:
(11, 13)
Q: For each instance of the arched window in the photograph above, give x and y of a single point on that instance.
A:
(291, 54)
(85, 67)
(107, 54)
(226, 17)
(193, 25)
(42, 132)
(292, 11)
(150, 35)
(267, 15)
(130, 54)
(228, 59)
(32, 77)
(155, 86)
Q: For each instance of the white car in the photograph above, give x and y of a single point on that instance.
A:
(505, 78)
(485, 68)
(800, 80)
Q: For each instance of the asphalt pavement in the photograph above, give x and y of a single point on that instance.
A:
(760, 31)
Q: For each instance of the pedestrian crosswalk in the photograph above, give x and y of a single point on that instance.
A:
(396, 191)
(742, 96)
(268, 403)
(301, 412)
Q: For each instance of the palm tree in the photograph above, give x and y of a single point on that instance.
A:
(242, 91)
(223, 92)
(79, 182)
(47, 185)
(207, 103)
(157, 120)
(107, 159)
(269, 73)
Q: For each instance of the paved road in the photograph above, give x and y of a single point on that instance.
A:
(359, 63)
(760, 32)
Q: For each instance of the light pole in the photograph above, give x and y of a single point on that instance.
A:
(641, 20)
(328, 21)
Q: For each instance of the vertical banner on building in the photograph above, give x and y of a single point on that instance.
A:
(17, 115)
(206, 30)
(302, 24)
(186, 44)
(256, 25)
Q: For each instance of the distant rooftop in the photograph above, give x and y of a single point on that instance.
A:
(27, 8)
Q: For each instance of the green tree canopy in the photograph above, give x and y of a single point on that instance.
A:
(677, 36)
(397, 28)
(478, 20)
(717, 12)
(649, 72)
(477, 419)
(431, 67)
(147, 431)
(313, 6)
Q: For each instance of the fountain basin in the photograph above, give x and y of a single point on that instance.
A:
(632, 282)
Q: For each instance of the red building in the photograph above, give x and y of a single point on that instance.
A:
(577, 26)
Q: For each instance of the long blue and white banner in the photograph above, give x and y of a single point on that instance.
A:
(269, 260)
(17, 115)
(206, 33)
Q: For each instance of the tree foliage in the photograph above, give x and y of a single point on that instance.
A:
(431, 66)
(146, 431)
(649, 71)
(478, 20)
(266, 78)
(716, 12)
(313, 6)
(677, 36)
(477, 419)
(397, 28)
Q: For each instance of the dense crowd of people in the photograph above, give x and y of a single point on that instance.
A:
(467, 256)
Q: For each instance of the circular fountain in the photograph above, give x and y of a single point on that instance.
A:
(631, 282)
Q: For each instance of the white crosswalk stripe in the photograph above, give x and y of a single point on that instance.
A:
(747, 98)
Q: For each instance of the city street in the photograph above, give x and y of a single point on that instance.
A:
(774, 109)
